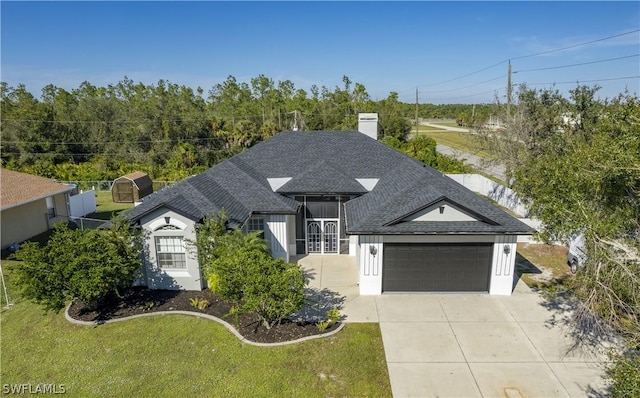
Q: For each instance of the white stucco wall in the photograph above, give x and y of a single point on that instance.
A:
(370, 267)
(25, 221)
(189, 278)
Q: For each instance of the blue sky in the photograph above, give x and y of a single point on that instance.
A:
(385, 46)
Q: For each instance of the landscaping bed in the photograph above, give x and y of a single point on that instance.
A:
(140, 300)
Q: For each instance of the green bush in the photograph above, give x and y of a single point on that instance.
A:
(258, 283)
(84, 265)
(624, 372)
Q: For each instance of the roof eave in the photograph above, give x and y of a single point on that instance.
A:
(369, 232)
(69, 189)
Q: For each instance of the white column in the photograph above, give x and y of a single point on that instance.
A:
(370, 264)
(503, 265)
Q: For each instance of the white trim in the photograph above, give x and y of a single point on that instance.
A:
(160, 222)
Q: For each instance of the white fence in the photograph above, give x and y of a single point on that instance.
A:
(82, 204)
(505, 197)
(502, 195)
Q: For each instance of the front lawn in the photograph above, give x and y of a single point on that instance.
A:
(175, 355)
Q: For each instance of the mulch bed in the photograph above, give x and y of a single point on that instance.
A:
(140, 300)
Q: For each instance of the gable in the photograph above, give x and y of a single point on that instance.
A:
(441, 211)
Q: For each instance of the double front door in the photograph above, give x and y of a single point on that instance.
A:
(322, 236)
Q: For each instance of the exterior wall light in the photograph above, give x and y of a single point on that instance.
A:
(507, 249)
(373, 250)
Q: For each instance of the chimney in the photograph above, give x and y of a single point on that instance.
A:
(368, 124)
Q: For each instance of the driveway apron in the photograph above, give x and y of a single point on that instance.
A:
(464, 345)
(476, 345)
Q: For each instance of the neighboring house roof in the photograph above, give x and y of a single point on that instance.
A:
(20, 188)
(330, 162)
(140, 180)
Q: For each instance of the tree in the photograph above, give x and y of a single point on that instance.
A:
(577, 161)
(392, 122)
(79, 265)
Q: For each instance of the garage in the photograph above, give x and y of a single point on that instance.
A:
(453, 267)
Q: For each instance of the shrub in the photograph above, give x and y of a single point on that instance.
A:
(273, 289)
(259, 283)
(322, 326)
(333, 315)
(624, 373)
(200, 303)
(84, 265)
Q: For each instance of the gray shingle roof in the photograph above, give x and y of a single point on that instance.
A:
(329, 162)
(322, 178)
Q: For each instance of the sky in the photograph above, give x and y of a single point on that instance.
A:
(452, 52)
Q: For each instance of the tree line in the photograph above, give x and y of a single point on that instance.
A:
(171, 131)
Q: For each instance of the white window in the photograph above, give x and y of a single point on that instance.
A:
(170, 252)
(255, 224)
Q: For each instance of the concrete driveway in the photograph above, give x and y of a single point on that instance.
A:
(465, 345)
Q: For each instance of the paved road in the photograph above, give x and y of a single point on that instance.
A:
(496, 170)
(448, 128)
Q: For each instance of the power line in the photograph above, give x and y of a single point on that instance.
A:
(495, 90)
(465, 87)
(575, 45)
(586, 81)
(467, 75)
(529, 56)
(580, 64)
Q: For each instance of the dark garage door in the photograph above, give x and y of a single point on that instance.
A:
(411, 267)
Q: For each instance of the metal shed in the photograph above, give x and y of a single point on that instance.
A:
(131, 187)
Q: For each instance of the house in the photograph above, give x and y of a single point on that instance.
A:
(30, 205)
(411, 228)
(131, 188)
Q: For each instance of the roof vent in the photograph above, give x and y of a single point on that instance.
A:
(368, 124)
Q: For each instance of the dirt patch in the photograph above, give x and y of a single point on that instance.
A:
(140, 300)
(542, 265)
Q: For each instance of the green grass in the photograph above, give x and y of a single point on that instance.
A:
(105, 207)
(184, 356)
(460, 141)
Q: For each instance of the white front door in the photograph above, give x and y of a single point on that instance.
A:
(322, 236)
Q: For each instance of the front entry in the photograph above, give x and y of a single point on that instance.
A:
(322, 236)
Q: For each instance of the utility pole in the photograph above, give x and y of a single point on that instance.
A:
(416, 111)
(509, 89)
(473, 115)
